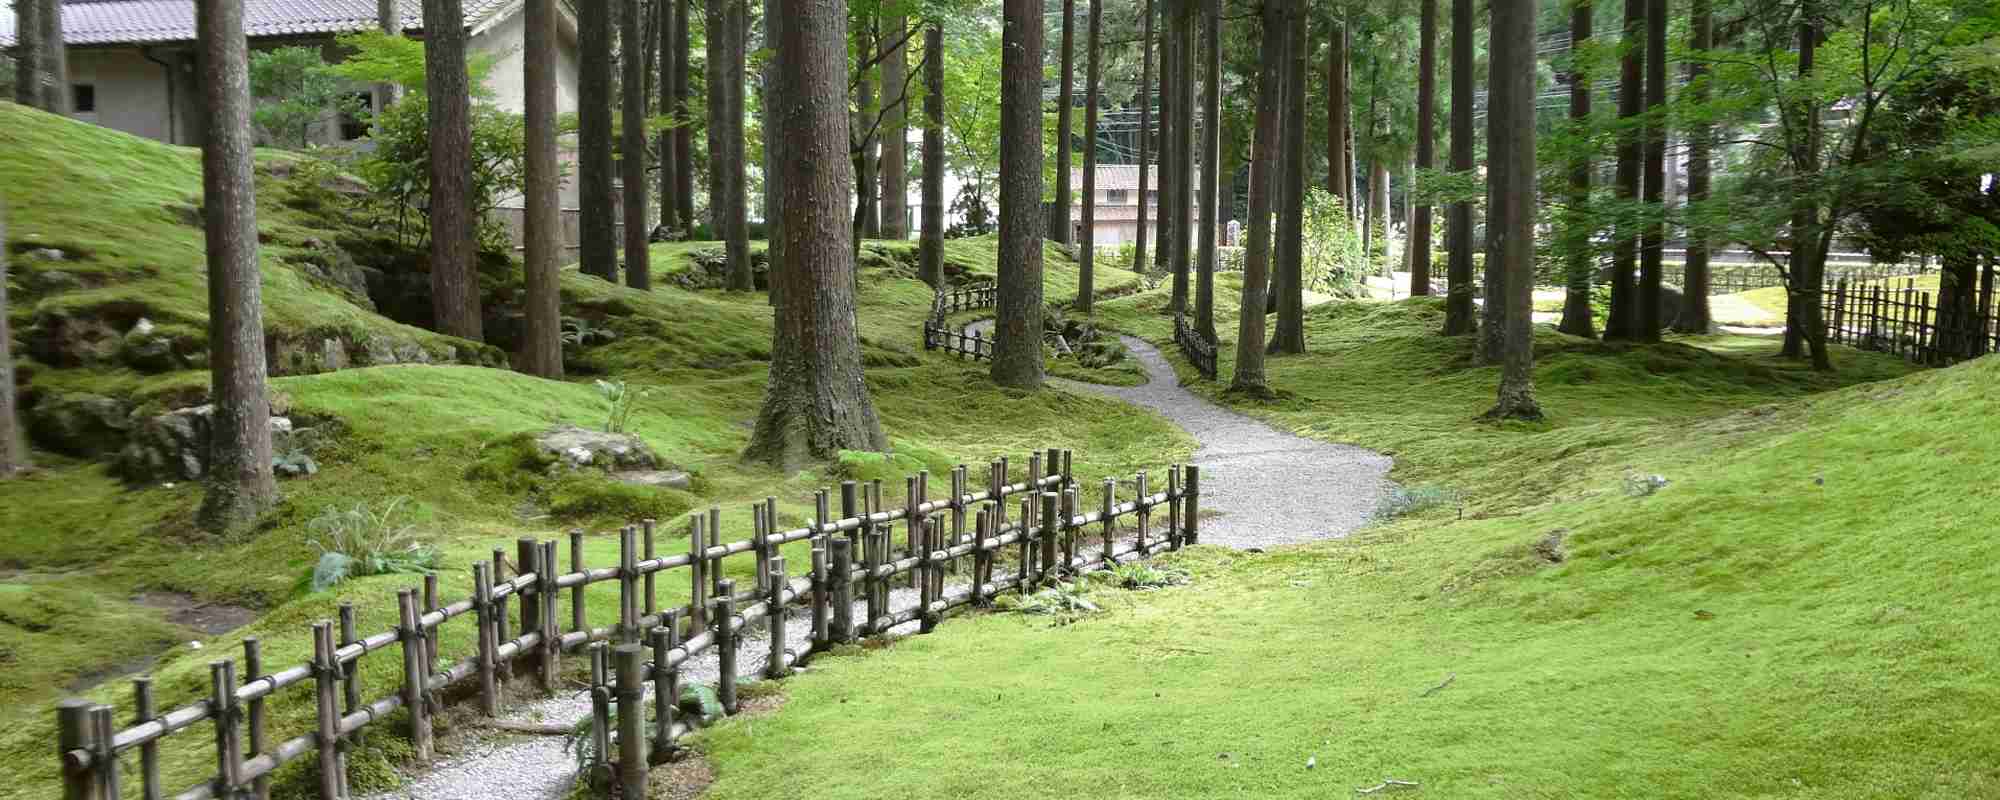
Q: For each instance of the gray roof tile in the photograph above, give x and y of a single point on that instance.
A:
(99, 22)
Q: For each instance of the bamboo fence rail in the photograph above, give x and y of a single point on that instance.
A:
(520, 632)
(1902, 320)
(1198, 349)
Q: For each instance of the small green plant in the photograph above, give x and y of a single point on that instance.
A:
(1062, 602)
(1142, 575)
(1404, 500)
(619, 400)
(364, 541)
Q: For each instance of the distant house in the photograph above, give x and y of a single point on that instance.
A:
(132, 62)
(1118, 205)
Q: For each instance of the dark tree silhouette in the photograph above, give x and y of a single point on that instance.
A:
(683, 135)
(632, 147)
(541, 347)
(240, 484)
(1695, 316)
(1211, 168)
(1510, 161)
(729, 195)
(454, 248)
(867, 210)
(597, 223)
(1581, 257)
(1623, 321)
(1087, 247)
(895, 129)
(1182, 150)
(1654, 235)
(1065, 133)
(28, 81)
(1420, 219)
(1290, 336)
(1163, 218)
(1145, 101)
(668, 13)
(1017, 346)
(1340, 168)
(1458, 312)
(931, 247)
(1264, 154)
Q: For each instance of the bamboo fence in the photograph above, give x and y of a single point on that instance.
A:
(1197, 348)
(520, 631)
(1902, 320)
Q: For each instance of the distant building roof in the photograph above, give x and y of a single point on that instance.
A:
(102, 22)
(1121, 177)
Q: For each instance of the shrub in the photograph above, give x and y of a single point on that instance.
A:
(294, 90)
(1144, 575)
(1404, 500)
(364, 541)
(1062, 602)
(619, 400)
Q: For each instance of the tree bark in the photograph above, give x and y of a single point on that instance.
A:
(1087, 245)
(895, 130)
(1580, 258)
(1804, 327)
(454, 247)
(1145, 88)
(28, 81)
(632, 157)
(816, 402)
(1183, 149)
(868, 219)
(598, 251)
(1249, 375)
(541, 347)
(1623, 322)
(1339, 173)
(684, 134)
(240, 484)
(931, 249)
(1065, 133)
(734, 227)
(668, 106)
(389, 18)
(1510, 137)
(1420, 218)
(1163, 218)
(1211, 167)
(1695, 315)
(715, 54)
(774, 159)
(1458, 313)
(1654, 235)
(52, 56)
(1017, 346)
(1290, 336)
(13, 451)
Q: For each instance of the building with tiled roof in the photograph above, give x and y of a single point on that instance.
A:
(1117, 214)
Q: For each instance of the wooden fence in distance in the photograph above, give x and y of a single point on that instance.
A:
(90, 743)
(1902, 320)
(1197, 348)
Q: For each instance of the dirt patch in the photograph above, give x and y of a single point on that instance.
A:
(184, 609)
(684, 779)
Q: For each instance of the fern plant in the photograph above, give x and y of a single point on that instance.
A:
(619, 400)
(363, 541)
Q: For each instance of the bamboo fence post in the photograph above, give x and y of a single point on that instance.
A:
(628, 585)
(149, 753)
(1192, 486)
(872, 546)
(822, 601)
(725, 643)
(957, 509)
(1174, 507)
(1025, 577)
(996, 481)
(771, 531)
(528, 555)
(504, 669)
(912, 497)
(665, 638)
(326, 739)
(652, 598)
(1068, 477)
(928, 573)
(1052, 461)
(714, 539)
(577, 620)
(551, 629)
(632, 766)
(1048, 534)
(103, 731)
(415, 694)
(982, 560)
(1145, 510)
(253, 668)
(759, 546)
(430, 633)
(774, 667)
(1110, 523)
(843, 588)
(350, 677)
(482, 607)
(1840, 310)
(75, 732)
(600, 717)
(223, 708)
(697, 577)
(1070, 531)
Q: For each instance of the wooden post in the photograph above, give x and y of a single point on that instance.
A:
(1025, 577)
(1193, 489)
(652, 598)
(628, 585)
(482, 606)
(551, 629)
(1174, 506)
(957, 510)
(74, 731)
(600, 717)
(326, 678)
(632, 766)
(1071, 532)
(822, 599)
(982, 560)
(577, 620)
(774, 667)
(872, 546)
(725, 643)
(253, 668)
(843, 589)
(1053, 461)
(149, 753)
(415, 697)
(1050, 527)
(430, 634)
(528, 557)
(103, 730)
(715, 538)
(924, 535)
(760, 546)
(505, 669)
(913, 495)
(697, 577)
(996, 480)
(1110, 523)
(1145, 511)
(1068, 478)
(224, 710)
(665, 691)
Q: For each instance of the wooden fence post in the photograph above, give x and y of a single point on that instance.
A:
(913, 496)
(350, 685)
(628, 585)
(759, 546)
(1026, 577)
(1070, 531)
(843, 589)
(982, 560)
(1110, 523)
(715, 538)
(74, 731)
(1145, 510)
(872, 585)
(1193, 509)
(415, 694)
(666, 691)
(996, 481)
(652, 598)
(223, 708)
(775, 666)
(504, 670)
(921, 540)
(253, 668)
(822, 600)
(697, 577)
(1050, 526)
(1174, 506)
(600, 717)
(482, 607)
(632, 766)
(725, 643)
(430, 634)
(957, 510)
(149, 753)
(326, 679)
(528, 556)
(577, 620)
(103, 730)
(551, 629)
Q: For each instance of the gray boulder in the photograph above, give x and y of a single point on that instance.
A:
(84, 425)
(175, 447)
(613, 452)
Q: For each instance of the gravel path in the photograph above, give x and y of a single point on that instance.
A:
(1269, 487)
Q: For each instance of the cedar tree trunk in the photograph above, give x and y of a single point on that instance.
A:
(1017, 346)
(896, 129)
(541, 347)
(1065, 134)
(632, 148)
(1459, 319)
(1087, 246)
(931, 249)
(1249, 375)
(1580, 255)
(1510, 148)
(454, 243)
(1623, 322)
(598, 254)
(1420, 218)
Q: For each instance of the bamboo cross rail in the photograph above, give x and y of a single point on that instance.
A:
(90, 745)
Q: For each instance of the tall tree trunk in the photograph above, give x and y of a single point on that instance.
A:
(1379, 194)
(774, 159)
(1211, 167)
(28, 80)
(816, 402)
(668, 105)
(1510, 148)
(454, 248)
(931, 249)
(1087, 245)
(735, 212)
(895, 129)
(389, 18)
(868, 218)
(1339, 175)
(1163, 217)
(1065, 134)
(1290, 336)
(1580, 257)
(684, 134)
(1183, 149)
(1695, 315)
(1804, 334)
(1624, 322)
(240, 484)
(541, 347)
(1145, 101)
(715, 58)
(1654, 235)
(596, 223)
(1458, 313)
(632, 149)
(1249, 375)
(1420, 219)
(1017, 345)
(54, 56)
(13, 452)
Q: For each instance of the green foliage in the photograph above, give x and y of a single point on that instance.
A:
(378, 57)
(1406, 500)
(1334, 263)
(364, 540)
(619, 400)
(294, 91)
(1063, 602)
(1147, 575)
(398, 169)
